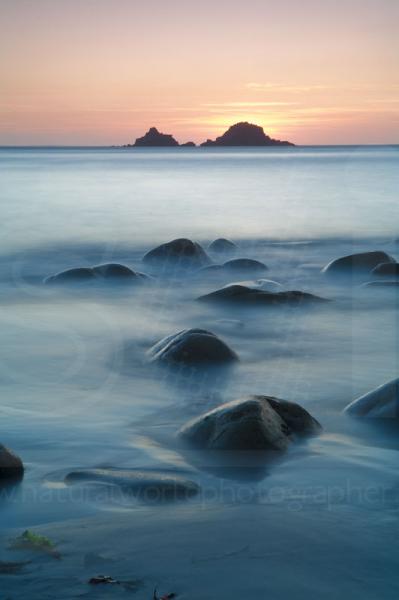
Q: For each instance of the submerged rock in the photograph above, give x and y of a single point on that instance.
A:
(254, 423)
(363, 262)
(11, 466)
(386, 270)
(245, 264)
(222, 246)
(267, 285)
(192, 347)
(181, 251)
(107, 271)
(240, 294)
(381, 403)
(381, 284)
(150, 486)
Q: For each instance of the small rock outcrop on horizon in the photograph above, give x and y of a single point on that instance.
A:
(245, 134)
(154, 138)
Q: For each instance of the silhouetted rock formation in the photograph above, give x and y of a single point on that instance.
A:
(245, 134)
(154, 138)
(188, 145)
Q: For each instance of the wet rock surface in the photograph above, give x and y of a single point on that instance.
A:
(222, 246)
(240, 294)
(107, 271)
(182, 251)
(381, 403)
(245, 265)
(150, 486)
(386, 270)
(253, 423)
(11, 466)
(192, 347)
(363, 262)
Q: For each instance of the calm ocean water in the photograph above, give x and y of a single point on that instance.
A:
(142, 197)
(75, 388)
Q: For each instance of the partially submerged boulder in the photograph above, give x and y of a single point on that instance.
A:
(249, 265)
(182, 252)
(241, 294)
(364, 262)
(222, 246)
(254, 423)
(267, 285)
(107, 271)
(149, 486)
(192, 347)
(11, 466)
(381, 403)
(386, 270)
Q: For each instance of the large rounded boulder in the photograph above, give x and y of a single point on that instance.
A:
(11, 466)
(192, 347)
(180, 252)
(222, 246)
(244, 265)
(381, 403)
(241, 294)
(98, 273)
(253, 423)
(363, 262)
(386, 270)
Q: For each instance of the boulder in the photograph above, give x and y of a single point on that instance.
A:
(363, 262)
(222, 246)
(381, 403)
(386, 270)
(192, 347)
(150, 486)
(182, 252)
(245, 264)
(11, 466)
(267, 285)
(240, 294)
(188, 145)
(108, 271)
(253, 423)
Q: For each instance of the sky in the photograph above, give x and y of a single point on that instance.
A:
(100, 72)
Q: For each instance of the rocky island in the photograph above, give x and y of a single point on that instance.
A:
(240, 134)
(245, 134)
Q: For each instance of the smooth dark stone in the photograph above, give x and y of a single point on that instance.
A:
(192, 347)
(245, 264)
(253, 423)
(11, 466)
(362, 262)
(112, 271)
(237, 294)
(386, 270)
(222, 246)
(152, 486)
(182, 252)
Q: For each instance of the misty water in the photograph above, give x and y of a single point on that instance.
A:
(76, 390)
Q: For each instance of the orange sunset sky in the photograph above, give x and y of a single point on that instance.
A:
(103, 71)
